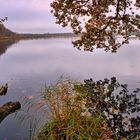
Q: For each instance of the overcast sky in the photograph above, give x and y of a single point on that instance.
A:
(29, 16)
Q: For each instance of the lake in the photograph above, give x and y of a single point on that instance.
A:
(28, 65)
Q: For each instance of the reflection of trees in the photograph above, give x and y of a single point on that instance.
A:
(5, 44)
(115, 103)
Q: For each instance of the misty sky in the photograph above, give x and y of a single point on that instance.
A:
(29, 16)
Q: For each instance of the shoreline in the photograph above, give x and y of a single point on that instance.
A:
(35, 36)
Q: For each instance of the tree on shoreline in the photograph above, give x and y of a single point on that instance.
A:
(3, 20)
(99, 21)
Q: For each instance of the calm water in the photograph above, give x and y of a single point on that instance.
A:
(28, 65)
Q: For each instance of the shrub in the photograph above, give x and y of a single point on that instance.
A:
(67, 117)
(113, 100)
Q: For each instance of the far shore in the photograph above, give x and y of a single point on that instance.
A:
(17, 36)
(36, 36)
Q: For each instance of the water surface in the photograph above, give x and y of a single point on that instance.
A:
(30, 64)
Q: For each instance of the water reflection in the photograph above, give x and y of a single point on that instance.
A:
(5, 44)
(30, 64)
(52, 57)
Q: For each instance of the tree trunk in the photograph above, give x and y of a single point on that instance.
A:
(8, 108)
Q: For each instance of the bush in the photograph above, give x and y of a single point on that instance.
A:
(68, 119)
(116, 104)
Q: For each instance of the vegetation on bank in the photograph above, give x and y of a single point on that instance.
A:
(91, 111)
(66, 115)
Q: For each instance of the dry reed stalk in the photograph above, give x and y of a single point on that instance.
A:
(60, 99)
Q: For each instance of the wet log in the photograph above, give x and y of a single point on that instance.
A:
(8, 108)
(3, 89)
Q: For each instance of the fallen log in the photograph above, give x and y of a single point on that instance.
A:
(3, 89)
(8, 108)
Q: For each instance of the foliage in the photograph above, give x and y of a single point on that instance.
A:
(3, 19)
(115, 103)
(60, 98)
(67, 119)
(75, 127)
(99, 21)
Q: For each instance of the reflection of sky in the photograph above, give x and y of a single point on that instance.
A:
(28, 65)
(29, 16)
(53, 57)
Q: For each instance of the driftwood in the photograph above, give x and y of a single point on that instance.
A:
(8, 108)
(3, 89)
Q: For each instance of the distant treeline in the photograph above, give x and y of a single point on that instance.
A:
(47, 35)
(6, 34)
